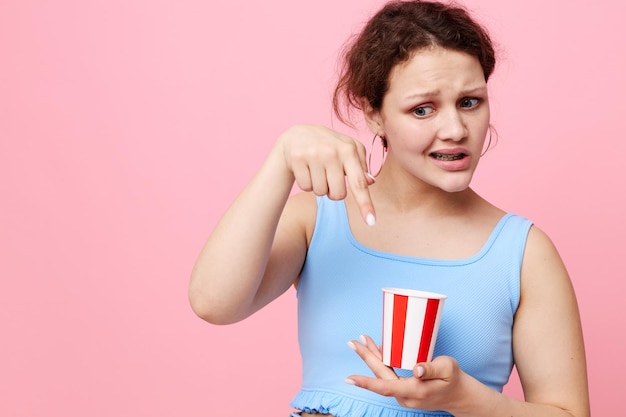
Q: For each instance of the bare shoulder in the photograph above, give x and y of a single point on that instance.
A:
(304, 201)
(541, 258)
(298, 219)
(543, 274)
(547, 336)
(300, 212)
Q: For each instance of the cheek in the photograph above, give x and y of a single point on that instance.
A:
(410, 137)
(488, 134)
(480, 127)
(422, 141)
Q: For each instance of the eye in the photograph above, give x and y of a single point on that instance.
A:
(469, 102)
(423, 111)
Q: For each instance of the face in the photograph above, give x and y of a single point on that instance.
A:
(434, 116)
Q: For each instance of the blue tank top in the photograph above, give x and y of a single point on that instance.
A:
(340, 297)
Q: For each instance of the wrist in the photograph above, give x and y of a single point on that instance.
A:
(475, 399)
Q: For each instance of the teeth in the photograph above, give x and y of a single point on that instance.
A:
(447, 157)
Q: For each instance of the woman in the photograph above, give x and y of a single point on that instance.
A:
(418, 74)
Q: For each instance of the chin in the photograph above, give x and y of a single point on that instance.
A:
(455, 187)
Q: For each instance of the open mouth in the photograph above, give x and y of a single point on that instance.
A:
(447, 156)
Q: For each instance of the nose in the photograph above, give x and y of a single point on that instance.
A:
(452, 126)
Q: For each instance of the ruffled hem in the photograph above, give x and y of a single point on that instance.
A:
(340, 405)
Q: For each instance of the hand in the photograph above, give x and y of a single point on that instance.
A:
(321, 160)
(434, 385)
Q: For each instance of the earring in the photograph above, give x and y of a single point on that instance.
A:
(488, 143)
(369, 159)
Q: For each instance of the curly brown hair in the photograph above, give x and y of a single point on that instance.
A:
(391, 37)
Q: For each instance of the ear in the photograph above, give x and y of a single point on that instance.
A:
(373, 118)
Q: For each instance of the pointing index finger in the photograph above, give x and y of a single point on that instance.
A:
(359, 185)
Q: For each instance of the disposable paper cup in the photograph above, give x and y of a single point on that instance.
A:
(410, 325)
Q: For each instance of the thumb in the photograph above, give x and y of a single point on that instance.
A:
(419, 371)
(440, 368)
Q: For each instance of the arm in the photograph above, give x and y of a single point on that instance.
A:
(547, 345)
(547, 336)
(226, 279)
(257, 249)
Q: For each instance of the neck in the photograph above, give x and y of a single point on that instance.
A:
(407, 194)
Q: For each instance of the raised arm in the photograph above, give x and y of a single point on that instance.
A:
(257, 249)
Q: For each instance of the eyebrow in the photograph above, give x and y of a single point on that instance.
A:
(426, 94)
(435, 93)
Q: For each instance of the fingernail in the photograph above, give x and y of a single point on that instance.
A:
(420, 371)
(370, 219)
(349, 381)
(362, 339)
(351, 345)
(371, 176)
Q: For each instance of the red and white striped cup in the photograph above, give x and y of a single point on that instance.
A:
(410, 325)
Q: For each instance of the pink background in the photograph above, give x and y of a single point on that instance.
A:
(127, 127)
